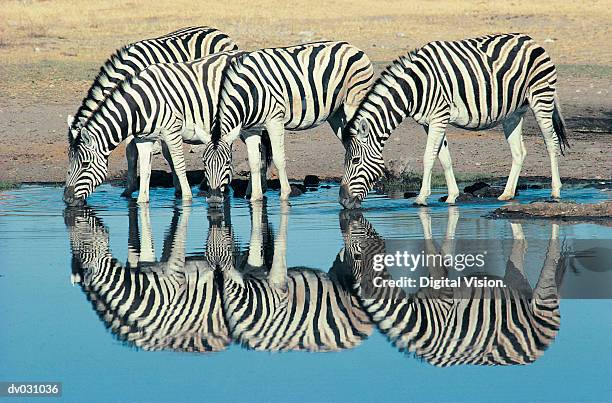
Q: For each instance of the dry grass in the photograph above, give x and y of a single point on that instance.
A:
(76, 36)
(382, 28)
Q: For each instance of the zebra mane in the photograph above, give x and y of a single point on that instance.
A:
(118, 89)
(402, 63)
(215, 130)
(101, 80)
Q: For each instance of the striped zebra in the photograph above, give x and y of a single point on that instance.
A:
(172, 304)
(179, 46)
(473, 84)
(271, 308)
(292, 88)
(445, 327)
(172, 102)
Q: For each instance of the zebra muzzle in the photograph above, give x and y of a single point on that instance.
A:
(215, 197)
(347, 200)
(70, 199)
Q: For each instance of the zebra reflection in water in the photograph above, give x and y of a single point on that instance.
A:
(478, 326)
(204, 302)
(274, 308)
(201, 303)
(170, 304)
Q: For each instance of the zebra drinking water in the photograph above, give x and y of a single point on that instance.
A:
(179, 46)
(474, 84)
(172, 102)
(292, 88)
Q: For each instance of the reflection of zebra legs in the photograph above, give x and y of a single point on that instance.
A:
(483, 326)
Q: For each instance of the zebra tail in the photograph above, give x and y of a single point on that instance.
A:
(266, 147)
(559, 126)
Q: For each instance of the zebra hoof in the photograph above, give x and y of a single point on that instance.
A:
(505, 197)
(420, 202)
(127, 193)
(451, 199)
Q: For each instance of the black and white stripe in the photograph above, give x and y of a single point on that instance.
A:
(292, 88)
(171, 304)
(473, 84)
(172, 102)
(179, 46)
(479, 326)
(271, 308)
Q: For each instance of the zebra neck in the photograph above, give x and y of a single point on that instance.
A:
(390, 101)
(118, 118)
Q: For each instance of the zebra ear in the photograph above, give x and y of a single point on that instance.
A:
(202, 134)
(86, 138)
(69, 120)
(364, 130)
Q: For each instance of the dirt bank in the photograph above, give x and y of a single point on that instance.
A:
(48, 57)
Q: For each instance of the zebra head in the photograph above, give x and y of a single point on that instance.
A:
(363, 163)
(87, 168)
(217, 160)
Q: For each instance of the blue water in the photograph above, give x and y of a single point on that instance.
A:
(50, 331)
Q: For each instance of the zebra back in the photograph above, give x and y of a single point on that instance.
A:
(178, 46)
(301, 85)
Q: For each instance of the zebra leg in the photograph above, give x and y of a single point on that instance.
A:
(513, 130)
(144, 156)
(545, 121)
(174, 142)
(133, 252)
(277, 277)
(449, 175)
(131, 155)
(175, 180)
(253, 150)
(256, 244)
(435, 136)
(276, 130)
(147, 248)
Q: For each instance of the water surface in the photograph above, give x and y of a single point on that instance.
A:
(77, 289)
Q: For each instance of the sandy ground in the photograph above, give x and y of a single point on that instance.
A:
(49, 54)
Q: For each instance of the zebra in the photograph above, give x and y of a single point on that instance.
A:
(179, 46)
(292, 88)
(269, 307)
(473, 84)
(173, 102)
(474, 326)
(172, 304)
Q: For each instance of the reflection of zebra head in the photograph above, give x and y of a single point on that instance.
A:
(88, 242)
(217, 160)
(87, 168)
(157, 306)
(271, 307)
(220, 246)
(361, 244)
(483, 326)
